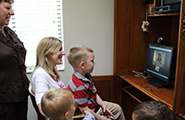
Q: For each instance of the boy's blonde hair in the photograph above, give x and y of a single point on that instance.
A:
(55, 103)
(78, 54)
(45, 48)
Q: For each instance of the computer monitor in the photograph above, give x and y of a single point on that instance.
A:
(161, 62)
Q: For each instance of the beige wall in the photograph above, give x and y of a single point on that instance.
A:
(89, 23)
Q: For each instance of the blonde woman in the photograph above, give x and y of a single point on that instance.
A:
(45, 75)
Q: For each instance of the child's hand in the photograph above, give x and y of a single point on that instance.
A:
(107, 112)
(86, 112)
(105, 118)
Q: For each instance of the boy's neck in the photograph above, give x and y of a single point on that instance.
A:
(81, 72)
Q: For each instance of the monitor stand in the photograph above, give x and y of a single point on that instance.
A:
(155, 83)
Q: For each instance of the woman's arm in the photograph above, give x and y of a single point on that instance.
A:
(40, 86)
(40, 109)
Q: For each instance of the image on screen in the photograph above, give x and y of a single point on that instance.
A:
(158, 59)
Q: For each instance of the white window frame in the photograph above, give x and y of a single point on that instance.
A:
(34, 20)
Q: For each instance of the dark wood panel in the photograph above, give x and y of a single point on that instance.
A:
(130, 45)
(122, 36)
(179, 103)
(118, 89)
(138, 45)
(105, 87)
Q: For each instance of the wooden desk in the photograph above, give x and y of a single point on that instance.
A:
(160, 94)
(136, 90)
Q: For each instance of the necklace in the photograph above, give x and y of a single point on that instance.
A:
(3, 32)
(60, 84)
(2, 29)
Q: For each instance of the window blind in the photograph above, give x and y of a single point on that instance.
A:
(34, 20)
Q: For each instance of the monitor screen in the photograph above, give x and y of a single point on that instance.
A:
(160, 62)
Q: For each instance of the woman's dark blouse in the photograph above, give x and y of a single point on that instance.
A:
(13, 80)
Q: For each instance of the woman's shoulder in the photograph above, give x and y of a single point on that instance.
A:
(39, 71)
(8, 29)
(41, 75)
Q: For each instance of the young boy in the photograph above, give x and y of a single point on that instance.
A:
(152, 110)
(58, 104)
(85, 93)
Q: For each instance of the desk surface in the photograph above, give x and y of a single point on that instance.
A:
(160, 94)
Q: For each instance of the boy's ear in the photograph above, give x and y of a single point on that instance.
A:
(82, 64)
(66, 115)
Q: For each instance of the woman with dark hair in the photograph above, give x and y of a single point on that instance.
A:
(13, 80)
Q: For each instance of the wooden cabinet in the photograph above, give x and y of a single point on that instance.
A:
(130, 50)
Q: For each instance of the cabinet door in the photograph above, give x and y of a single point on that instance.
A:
(179, 97)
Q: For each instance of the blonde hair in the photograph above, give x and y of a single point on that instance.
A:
(45, 48)
(55, 103)
(78, 54)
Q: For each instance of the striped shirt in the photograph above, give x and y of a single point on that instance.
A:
(83, 90)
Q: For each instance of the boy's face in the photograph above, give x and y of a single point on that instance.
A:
(133, 117)
(72, 110)
(89, 64)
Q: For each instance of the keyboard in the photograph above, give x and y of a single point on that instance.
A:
(155, 83)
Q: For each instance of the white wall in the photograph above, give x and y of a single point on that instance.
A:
(89, 23)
